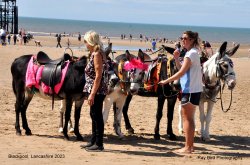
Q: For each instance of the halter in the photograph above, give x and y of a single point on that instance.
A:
(125, 80)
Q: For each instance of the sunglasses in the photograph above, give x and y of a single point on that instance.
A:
(184, 38)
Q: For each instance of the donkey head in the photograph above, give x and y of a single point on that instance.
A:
(135, 73)
(225, 70)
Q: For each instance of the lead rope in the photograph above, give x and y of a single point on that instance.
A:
(170, 94)
(156, 51)
(222, 107)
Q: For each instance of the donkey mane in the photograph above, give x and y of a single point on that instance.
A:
(209, 67)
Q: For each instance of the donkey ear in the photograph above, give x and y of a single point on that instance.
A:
(128, 55)
(233, 50)
(169, 49)
(141, 55)
(222, 49)
(108, 49)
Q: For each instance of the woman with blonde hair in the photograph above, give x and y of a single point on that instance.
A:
(191, 85)
(96, 88)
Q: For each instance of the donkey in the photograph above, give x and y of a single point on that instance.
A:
(62, 108)
(126, 79)
(217, 69)
(71, 89)
(168, 91)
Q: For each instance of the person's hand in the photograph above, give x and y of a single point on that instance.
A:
(91, 99)
(176, 53)
(163, 82)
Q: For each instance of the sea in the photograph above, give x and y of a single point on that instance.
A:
(44, 26)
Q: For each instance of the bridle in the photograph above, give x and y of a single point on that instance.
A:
(126, 76)
(221, 77)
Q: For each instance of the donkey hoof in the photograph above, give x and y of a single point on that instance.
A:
(122, 138)
(205, 139)
(71, 130)
(66, 137)
(131, 131)
(172, 136)
(28, 133)
(18, 133)
(181, 132)
(60, 130)
(157, 136)
(79, 138)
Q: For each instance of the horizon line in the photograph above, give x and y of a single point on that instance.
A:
(134, 22)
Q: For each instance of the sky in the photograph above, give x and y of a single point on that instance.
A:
(215, 13)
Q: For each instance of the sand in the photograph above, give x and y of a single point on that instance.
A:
(230, 135)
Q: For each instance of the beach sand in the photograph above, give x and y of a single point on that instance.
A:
(230, 135)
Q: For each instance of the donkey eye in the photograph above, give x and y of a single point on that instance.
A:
(225, 66)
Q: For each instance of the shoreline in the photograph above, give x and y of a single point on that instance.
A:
(118, 45)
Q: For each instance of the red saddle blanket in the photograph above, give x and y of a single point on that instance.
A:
(34, 74)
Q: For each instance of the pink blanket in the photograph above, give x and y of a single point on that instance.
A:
(34, 74)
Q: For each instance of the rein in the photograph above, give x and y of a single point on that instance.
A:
(156, 51)
(231, 98)
(221, 91)
(163, 91)
(169, 95)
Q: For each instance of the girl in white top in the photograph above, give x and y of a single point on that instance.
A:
(191, 83)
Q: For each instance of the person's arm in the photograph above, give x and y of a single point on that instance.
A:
(98, 71)
(185, 66)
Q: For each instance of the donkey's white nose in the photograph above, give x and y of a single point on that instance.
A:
(231, 84)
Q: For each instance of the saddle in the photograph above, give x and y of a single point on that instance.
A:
(52, 71)
(43, 59)
(152, 77)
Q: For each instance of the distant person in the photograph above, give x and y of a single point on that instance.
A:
(141, 37)
(59, 41)
(130, 37)
(9, 38)
(3, 36)
(25, 39)
(178, 45)
(206, 50)
(153, 45)
(68, 43)
(79, 37)
(14, 39)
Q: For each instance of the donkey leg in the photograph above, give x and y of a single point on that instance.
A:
(106, 108)
(180, 124)
(62, 111)
(208, 120)
(161, 100)
(17, 125)
(19, 93)
(21, 105)
(170, 116)
(69, 103)
(27, 98)
(78, 107)
(118, 117)
(202, 118)
(125, 115)
(70, 127)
